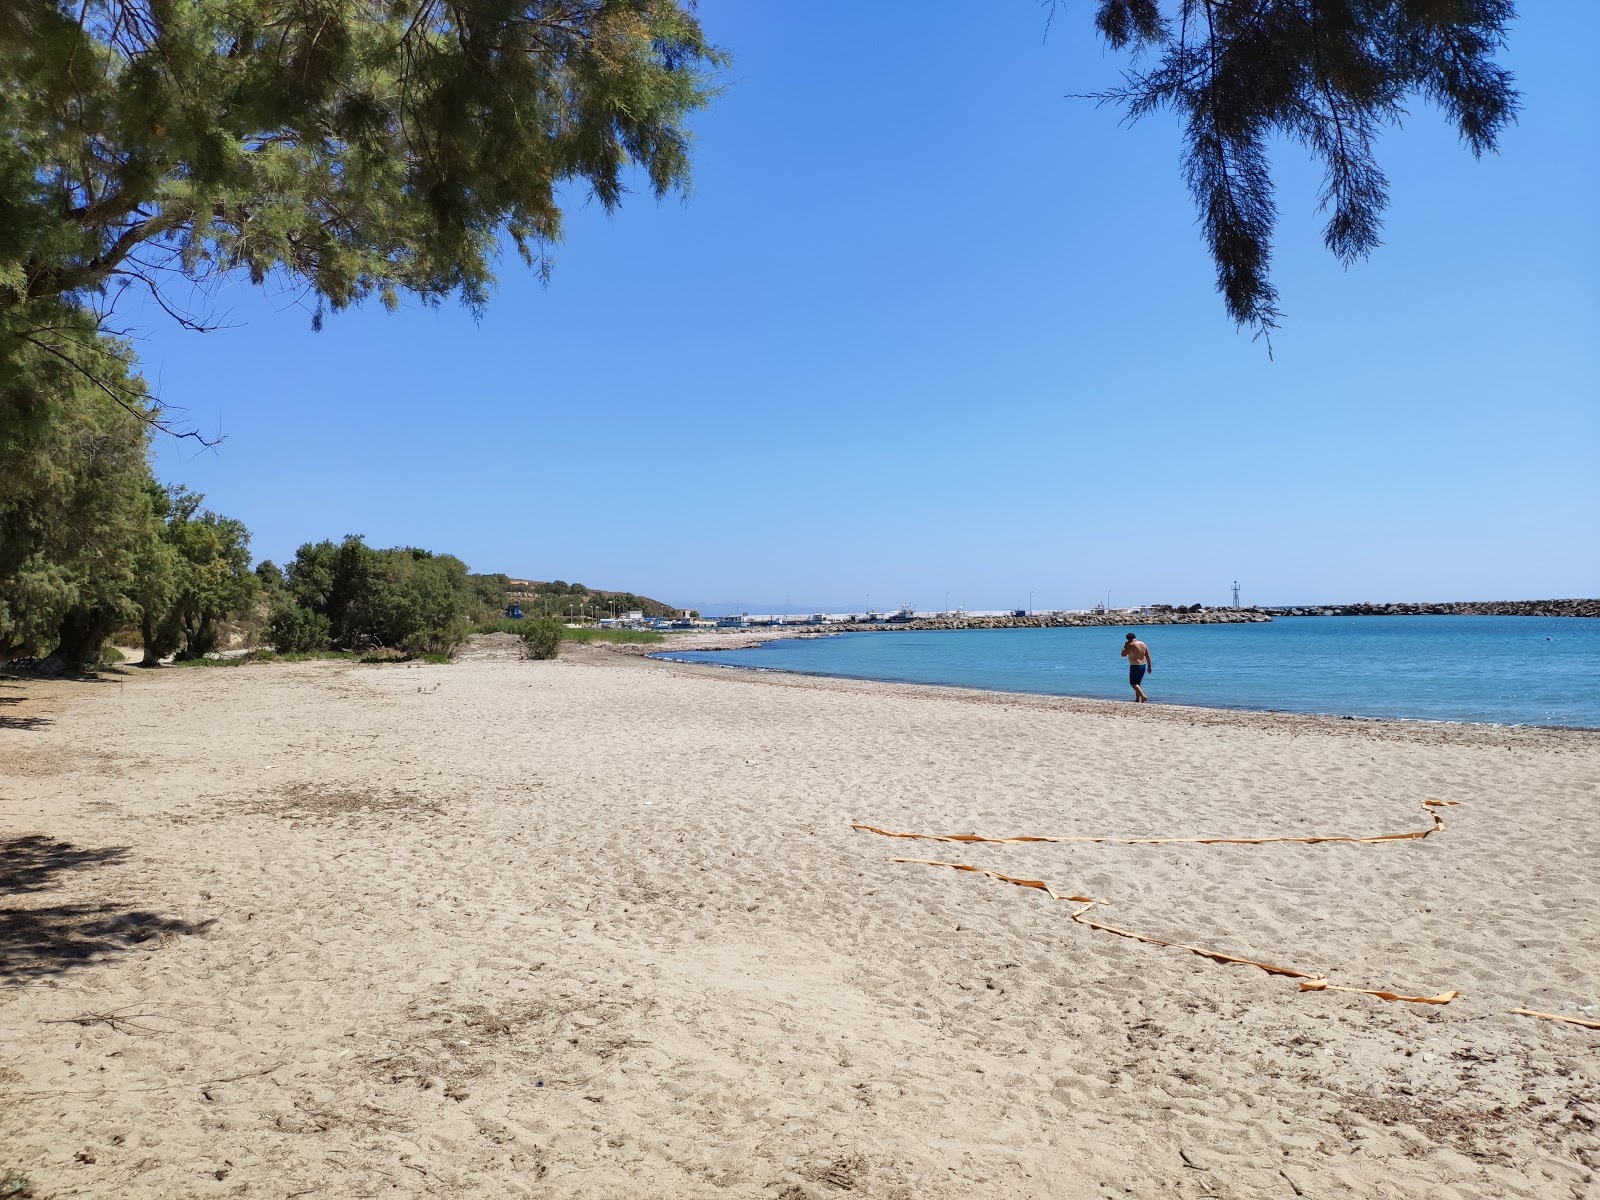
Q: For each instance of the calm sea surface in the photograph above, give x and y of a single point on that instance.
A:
(1502, 670)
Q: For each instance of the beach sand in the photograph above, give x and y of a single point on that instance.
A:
(600, 927)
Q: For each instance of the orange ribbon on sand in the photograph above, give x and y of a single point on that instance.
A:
(1431, 807)
(1309, 982)
(1214, 955)
(1037, 884)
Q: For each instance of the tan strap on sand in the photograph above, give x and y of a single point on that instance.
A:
(1322, 985)
(1203, 952)
(1431, 807)
(1310, 982)
(1039, 884)
(1584, 1021)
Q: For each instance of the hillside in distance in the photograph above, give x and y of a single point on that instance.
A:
(558, 597)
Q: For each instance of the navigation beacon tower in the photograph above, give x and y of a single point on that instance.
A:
(1236, 593)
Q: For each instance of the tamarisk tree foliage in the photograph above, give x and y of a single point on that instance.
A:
(75, 513)
(88, 539)
(195, 575)
(343, 147)
(1328, 74)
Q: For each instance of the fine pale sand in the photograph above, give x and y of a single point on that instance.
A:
(600, 927)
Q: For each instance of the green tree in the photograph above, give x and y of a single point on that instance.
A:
(75, 510)
(489, 594)
(354, 597)
(347, 146)
(214, 580)
(157, 572)
(194, 575)
(293, 628)
(269, 576)
(1327, 74)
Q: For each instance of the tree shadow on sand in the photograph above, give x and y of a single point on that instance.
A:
(8, 721)
(41, 940)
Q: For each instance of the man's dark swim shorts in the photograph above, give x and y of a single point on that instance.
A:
(1136, 673)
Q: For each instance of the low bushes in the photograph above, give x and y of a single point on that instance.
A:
(627, 636)
(541, 637)
(294, 629)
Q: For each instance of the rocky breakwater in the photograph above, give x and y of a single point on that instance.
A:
(1213, 616)
(1458, 608)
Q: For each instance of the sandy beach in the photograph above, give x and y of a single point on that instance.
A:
(601, 927)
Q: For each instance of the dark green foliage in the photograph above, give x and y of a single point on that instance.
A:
(75, 510)
(401, 599)
(214, 579)
(269, 576)
(192, 575)
(347, 147)
(1328, 74)
(292, 629)
(541, 637)
(352, 146)
(490, 594)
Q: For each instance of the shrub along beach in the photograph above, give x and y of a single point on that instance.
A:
(175, 580)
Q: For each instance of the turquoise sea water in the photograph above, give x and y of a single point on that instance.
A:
(1500, 670)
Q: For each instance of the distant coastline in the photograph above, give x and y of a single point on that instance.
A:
(1161, 615)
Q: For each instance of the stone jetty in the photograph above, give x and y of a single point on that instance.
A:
(1163, 615)
(1210, 616)
(1456, 608)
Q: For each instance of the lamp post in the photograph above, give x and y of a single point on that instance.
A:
(1030, 603)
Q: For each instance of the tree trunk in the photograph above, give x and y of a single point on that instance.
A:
(83, 632)
(147, 633)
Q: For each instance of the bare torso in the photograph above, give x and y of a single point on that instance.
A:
(1137, 653)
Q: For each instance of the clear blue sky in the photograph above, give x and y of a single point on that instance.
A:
(928, 325)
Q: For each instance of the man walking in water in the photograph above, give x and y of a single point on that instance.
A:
(1139, 662)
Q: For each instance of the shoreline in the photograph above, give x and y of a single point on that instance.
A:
(749, 639)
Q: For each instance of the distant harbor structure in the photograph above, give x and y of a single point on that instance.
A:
(909, 618)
